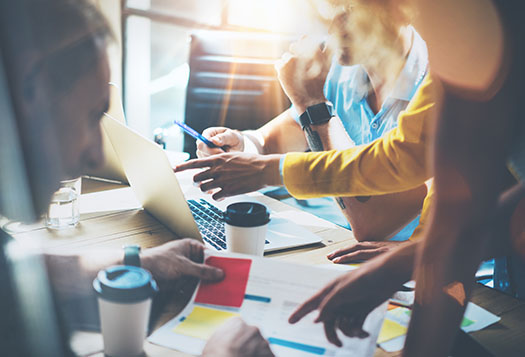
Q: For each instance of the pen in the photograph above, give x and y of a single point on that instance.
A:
(191, 132)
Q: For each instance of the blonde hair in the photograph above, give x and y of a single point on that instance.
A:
(371, 28)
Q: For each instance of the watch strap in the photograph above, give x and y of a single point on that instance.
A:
(132, 255)
(313, 139)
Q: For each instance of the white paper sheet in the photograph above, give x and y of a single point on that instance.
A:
(286, 286)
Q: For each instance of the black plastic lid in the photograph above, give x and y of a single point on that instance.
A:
(124, 283)
(246, 214)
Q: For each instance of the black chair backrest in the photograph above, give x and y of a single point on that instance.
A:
(233, 81)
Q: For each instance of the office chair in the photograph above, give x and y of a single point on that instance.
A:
(233, 81)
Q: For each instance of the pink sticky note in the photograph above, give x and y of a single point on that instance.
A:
(229, 291)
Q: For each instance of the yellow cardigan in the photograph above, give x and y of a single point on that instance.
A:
(396, 162)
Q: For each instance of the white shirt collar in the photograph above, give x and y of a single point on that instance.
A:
(414, 70)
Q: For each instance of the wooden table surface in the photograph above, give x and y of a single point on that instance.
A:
(110, 217)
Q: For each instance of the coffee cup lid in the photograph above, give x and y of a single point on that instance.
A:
(246, 214)
(123, 283)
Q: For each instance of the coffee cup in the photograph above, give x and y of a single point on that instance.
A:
(124, 299)
(246, 224)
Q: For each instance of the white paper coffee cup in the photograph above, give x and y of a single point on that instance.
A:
(124, 298)
(246, 224)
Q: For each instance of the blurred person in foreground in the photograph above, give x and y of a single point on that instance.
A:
(478, 136)
(368, 92)
(58, 75)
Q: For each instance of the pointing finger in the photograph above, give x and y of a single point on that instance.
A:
(195, 164)
(309, 305)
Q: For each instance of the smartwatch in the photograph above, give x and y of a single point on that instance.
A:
(132, 255)
(315, 115)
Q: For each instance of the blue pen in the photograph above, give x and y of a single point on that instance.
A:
(196, 135)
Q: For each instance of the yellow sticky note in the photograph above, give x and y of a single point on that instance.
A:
(390, 330)
(202, 322)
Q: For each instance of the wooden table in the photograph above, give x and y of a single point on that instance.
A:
(111, 218)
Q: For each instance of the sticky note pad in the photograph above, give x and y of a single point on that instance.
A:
(390, 330)
(229, 291)
(466, 322)
(202, 322)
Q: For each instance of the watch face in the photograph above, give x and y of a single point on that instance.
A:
(320, 113)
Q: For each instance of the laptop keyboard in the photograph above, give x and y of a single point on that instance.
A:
(210, 223)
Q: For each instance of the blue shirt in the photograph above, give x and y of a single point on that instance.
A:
(347, 88)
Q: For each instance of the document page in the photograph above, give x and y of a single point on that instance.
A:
(264, 292)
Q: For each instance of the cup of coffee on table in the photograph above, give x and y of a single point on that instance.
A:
(246, 224)
(124, 295)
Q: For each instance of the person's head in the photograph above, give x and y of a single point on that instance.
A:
(60, 86)
(370, 32)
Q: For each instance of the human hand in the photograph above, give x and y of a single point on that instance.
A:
(227, 140)
(234, 173)
(302, 73)
(345, 303)
(236, 339)
(362, 251)
(177, 259)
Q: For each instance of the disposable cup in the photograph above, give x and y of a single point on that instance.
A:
(124, 299)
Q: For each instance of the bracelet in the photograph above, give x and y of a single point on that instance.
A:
(132, 255)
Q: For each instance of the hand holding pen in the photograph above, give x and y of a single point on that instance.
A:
(216, 140)
(209, 142)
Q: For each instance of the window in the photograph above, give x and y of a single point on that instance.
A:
(156, 50)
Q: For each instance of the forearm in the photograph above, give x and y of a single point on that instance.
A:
(443, 302)
(72, 274)
(381, 217)
(388, 165)
(71, 277)
(280, 135)
(447, 260)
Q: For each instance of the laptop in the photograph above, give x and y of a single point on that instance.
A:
(111, 169)
(157, 188)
